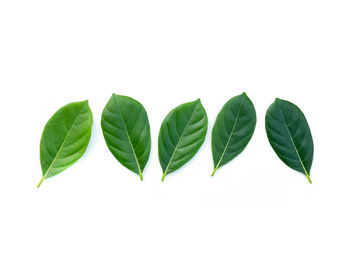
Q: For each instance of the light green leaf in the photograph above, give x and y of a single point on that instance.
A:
(65, 138)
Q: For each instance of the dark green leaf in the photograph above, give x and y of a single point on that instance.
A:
(290, 136)
(65, 138)
(181, 135)
(233, 129)
(127, 133)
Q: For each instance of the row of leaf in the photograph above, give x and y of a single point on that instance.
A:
(127, 134)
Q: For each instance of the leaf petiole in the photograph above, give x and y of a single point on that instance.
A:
(214, 171)
(308, 177)
(41, 181)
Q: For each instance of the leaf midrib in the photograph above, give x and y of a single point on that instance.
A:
(295, 148)
(231, 134)
(132, 147)
(179, 141)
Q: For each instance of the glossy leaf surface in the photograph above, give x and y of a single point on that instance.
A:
(127, 133)
(65, 138)
(233, 129)
(290, 136)
(181, 135)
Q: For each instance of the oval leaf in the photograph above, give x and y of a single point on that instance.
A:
(181, 135)
(127, 133)
(233, 129)
(290, 136)
(65, 138)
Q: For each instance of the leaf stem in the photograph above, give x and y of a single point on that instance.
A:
(214, 171)
(141, 176)
(163, 177)
(308, 177)
(41, 181)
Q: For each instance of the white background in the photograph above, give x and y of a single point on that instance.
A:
(164, 53)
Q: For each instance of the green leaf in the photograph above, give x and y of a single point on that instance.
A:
(181, 135)
(290, 136)
(127, 133)
(65, 138)
(233, 129)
